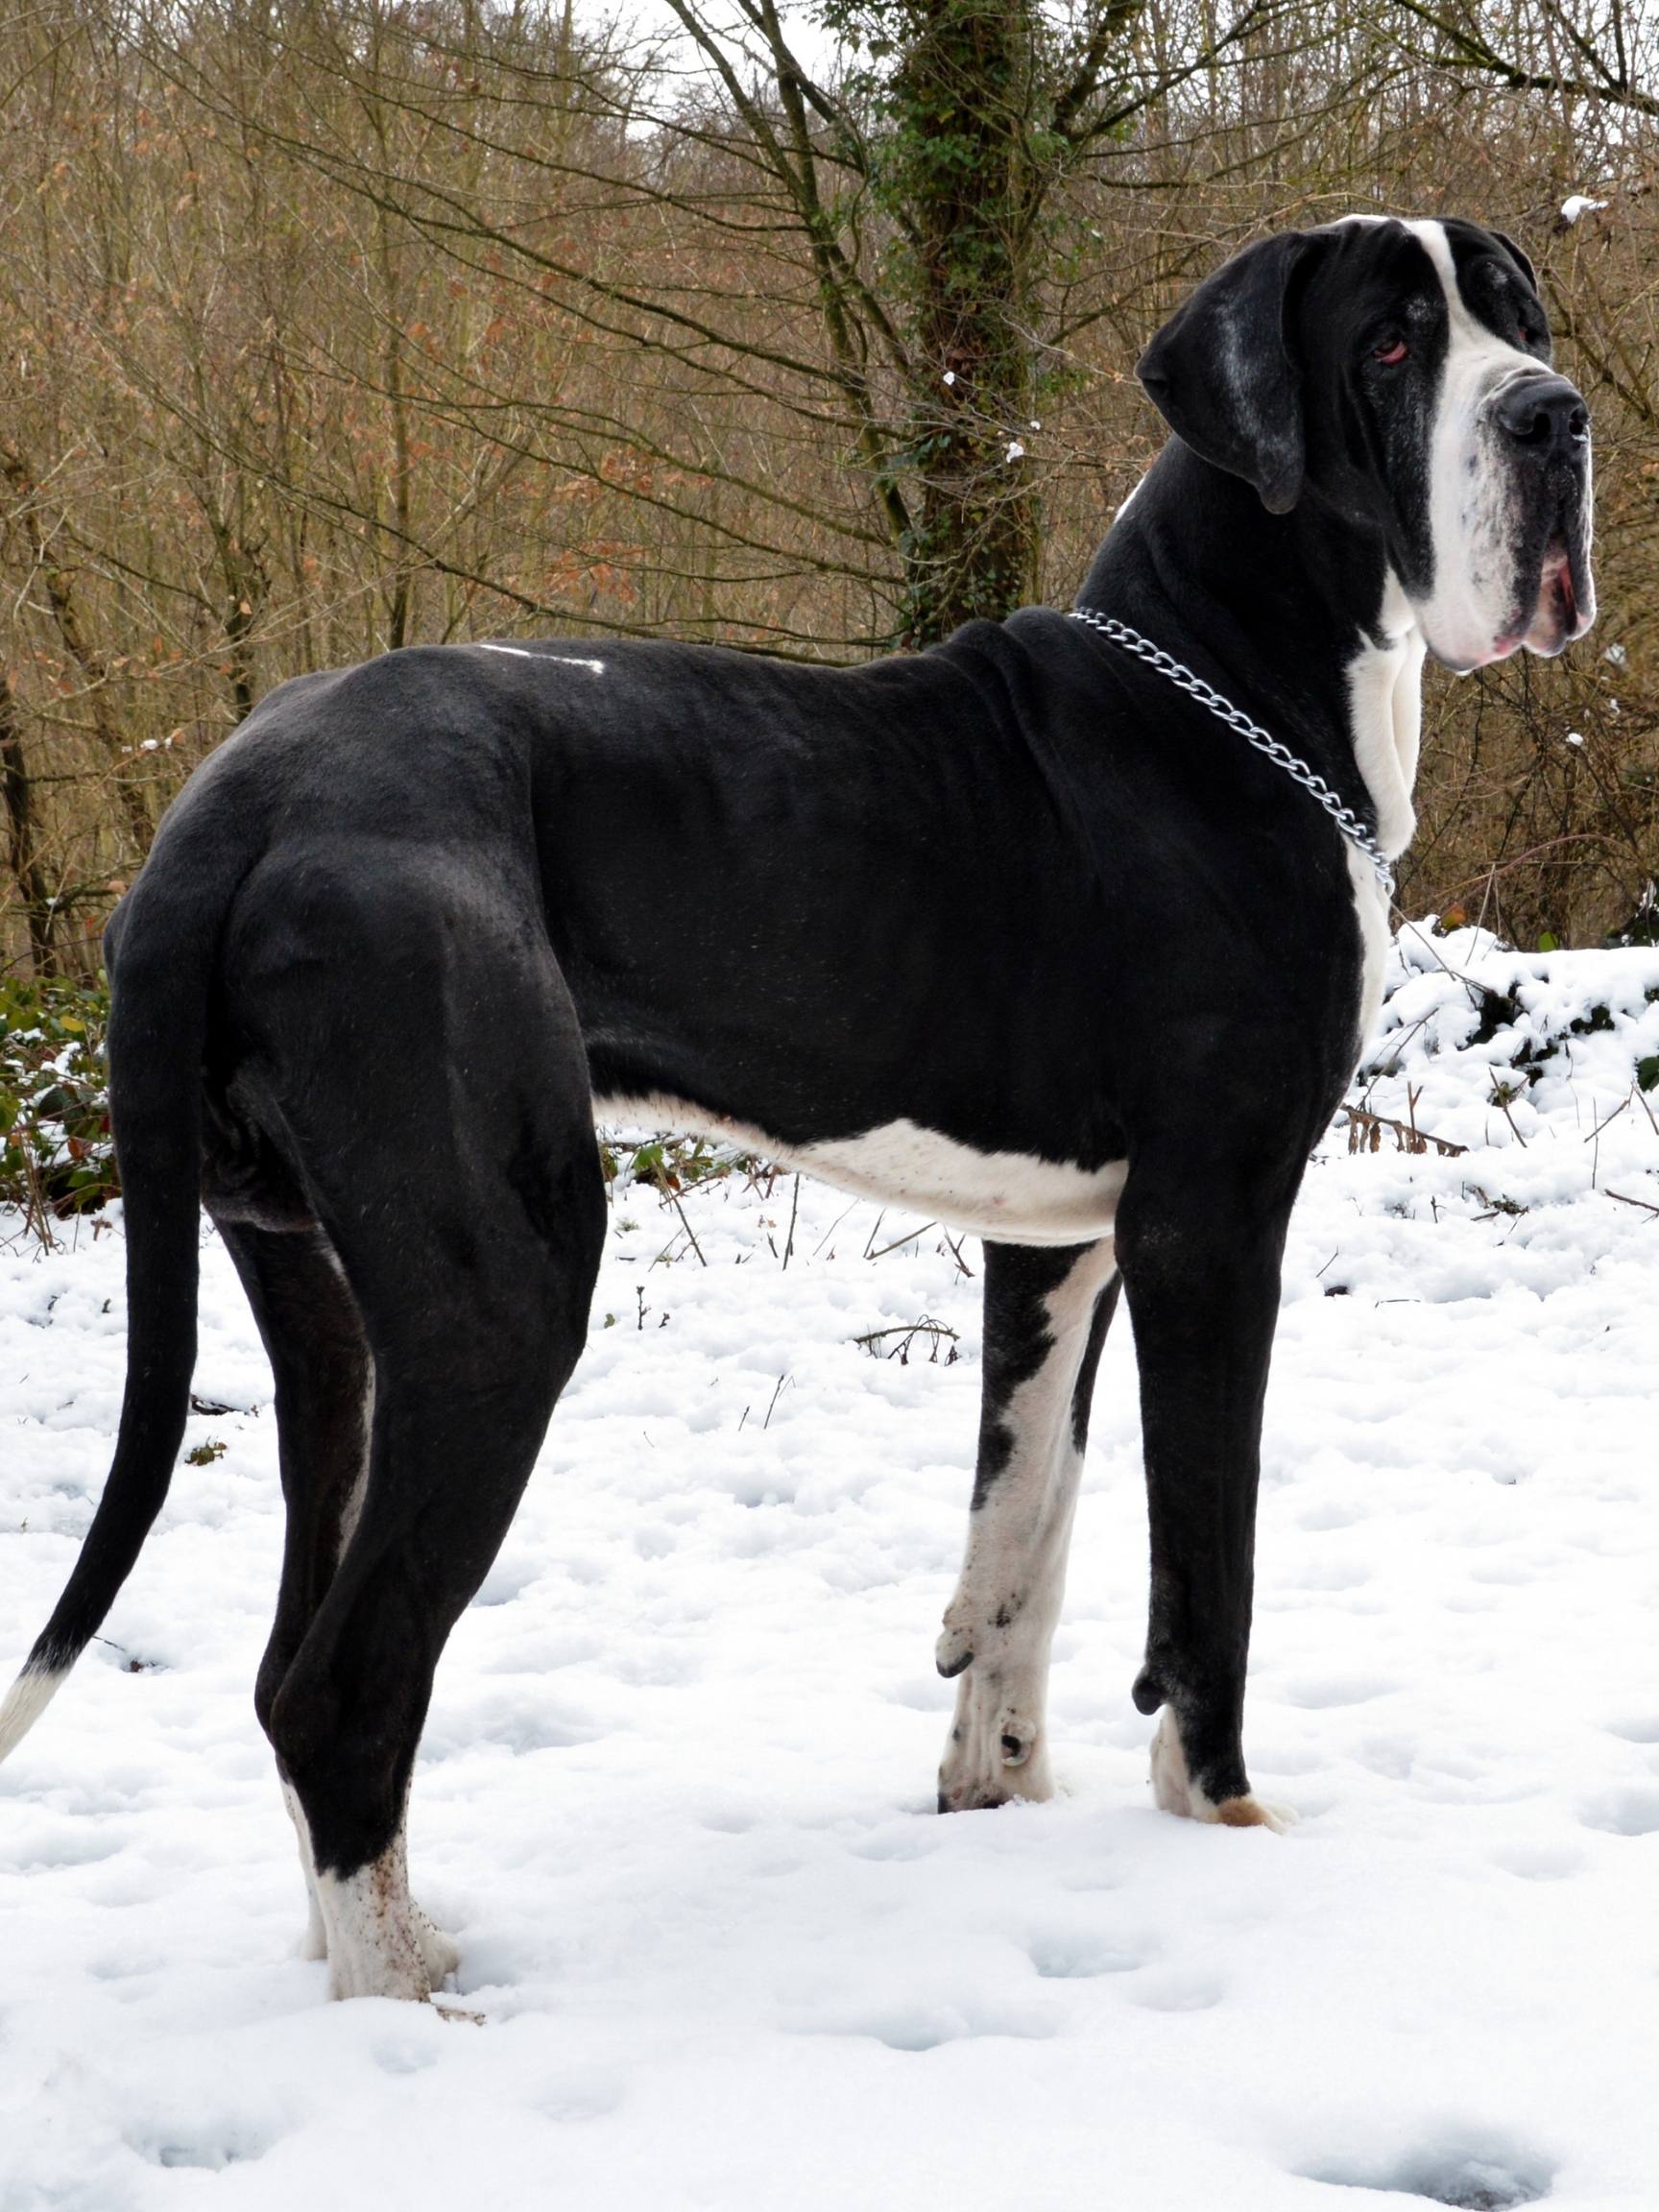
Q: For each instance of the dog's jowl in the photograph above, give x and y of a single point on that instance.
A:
(1033, 931)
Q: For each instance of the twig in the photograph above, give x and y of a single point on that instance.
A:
(955, 1245)
(794, 1208)
(1623, 1107)
(689, 1231)
(833, 1226)
(909, 1237)
(1365, 1132)
(1624, 1201)
(776, 1393)
(907, 1333)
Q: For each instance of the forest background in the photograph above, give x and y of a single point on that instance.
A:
(333, 325)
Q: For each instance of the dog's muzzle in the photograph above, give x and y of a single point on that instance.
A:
(1545, 427)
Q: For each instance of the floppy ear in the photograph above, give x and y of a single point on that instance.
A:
(1528, 272)
(1221, 375)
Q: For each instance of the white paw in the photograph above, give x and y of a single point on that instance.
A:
(440, 1952)
(1175, 1790)
(998, 1748)
(376, 1947)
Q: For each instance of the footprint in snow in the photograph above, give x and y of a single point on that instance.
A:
(1180, 1990)
(1539, 1862)
(1642, 1729)
(1632, 1811)
(1069, 1955)
(928, 2027)
(1483, 2180)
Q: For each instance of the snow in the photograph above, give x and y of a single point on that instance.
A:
(675, 1794)
(1577, 204)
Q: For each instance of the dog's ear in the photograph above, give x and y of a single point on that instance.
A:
(1222, 376)
(1526, 269)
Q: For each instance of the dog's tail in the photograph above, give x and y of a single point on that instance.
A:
(161, 948)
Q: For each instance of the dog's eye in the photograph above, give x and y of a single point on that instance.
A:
(1390, 352)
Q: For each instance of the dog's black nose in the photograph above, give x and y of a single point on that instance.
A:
(1545, 415)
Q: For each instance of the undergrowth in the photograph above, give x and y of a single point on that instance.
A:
(56, 1155)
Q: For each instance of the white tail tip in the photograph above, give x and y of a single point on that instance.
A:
(25, 1701)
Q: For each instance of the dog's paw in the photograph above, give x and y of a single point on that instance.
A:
(997, 1749)
(440, 1952)
(1251, 1812)
(1175, 1790)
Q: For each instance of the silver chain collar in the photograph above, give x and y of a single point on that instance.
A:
(1253, 733)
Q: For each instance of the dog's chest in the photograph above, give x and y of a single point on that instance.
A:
(1014, 1197)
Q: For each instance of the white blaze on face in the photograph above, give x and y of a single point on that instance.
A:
(1474, 488)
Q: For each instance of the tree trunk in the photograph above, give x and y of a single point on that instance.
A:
(960, 173)
(40, 911)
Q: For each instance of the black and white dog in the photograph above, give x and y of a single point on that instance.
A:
(1015, 932)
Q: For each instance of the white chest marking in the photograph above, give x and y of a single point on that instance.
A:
(1012, 1197)
(1385, 717)
(1371, 907)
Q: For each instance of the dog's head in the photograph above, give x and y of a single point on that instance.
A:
(1400, 373)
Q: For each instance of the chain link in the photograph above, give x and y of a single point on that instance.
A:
(1253, 733)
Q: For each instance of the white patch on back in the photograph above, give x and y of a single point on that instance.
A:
(1011, 1196)
(550, 659)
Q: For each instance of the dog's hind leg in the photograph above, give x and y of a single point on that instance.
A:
(325, 1402)
(1046, 1312)
(1200, 1250)
(429, 1080)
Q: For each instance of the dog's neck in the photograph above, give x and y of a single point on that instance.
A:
(1302, 619)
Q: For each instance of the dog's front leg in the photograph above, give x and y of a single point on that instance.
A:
(1047, 1310)
(1200, 1253)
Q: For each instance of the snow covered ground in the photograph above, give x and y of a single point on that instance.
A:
(675, 1797)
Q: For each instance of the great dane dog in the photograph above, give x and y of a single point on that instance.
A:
(1016, 932)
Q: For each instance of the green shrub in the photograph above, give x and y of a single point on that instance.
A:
(56, 1156)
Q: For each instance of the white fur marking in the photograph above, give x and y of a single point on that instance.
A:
(314, 1943)
(1470, 492)
(558, 660)
(1371, 910)
(380, 1943)
(1011, 1196)
(1175, 1790)
(1012, 1581)
(1385, 717)
(25, 1701)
